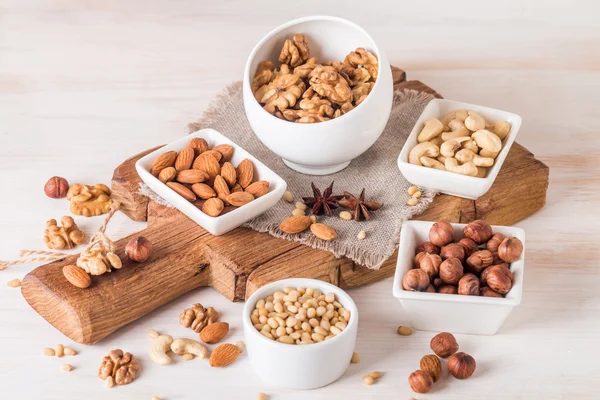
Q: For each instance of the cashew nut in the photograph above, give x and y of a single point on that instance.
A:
(158, 349)
(480, 161)
(437, 141)
(449, 148)
(431, 163)
(467, 168)
(189, 346)
(433, 127)
(457, 133)
(474, 121)
(487, 153)
(471, 145)
(464, 155)
(455, 124)
(487, 140)
(459, 115)
(422, 149)
(501, 129)
(441, 159)
(481, 172)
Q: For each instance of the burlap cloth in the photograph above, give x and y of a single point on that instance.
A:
(376, 170)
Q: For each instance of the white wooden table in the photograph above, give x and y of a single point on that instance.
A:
(85, 84)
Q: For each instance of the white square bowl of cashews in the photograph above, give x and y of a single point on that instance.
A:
(458, 148)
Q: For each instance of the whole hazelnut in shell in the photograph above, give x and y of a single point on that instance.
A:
(494, 242)
(56, 187)
(420, 381)
(427, 247)
(479, 260)
(487, 292)
(461, 365)
(432, 364)
(503, 267)
(448, 289)
(441, 233)
(469, 245)
(453, 250)
(416, 280)
(437, 282)
(444, 344)
(469, 285)
(430, 263)
(430, 289)
(498, 281)
(479, 231)
(138, 249)
(510, 249)
(451, 270)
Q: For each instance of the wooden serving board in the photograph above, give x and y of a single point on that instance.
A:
(186, 257)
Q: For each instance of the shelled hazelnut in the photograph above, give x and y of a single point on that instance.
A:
(416, 280)
(420, 381)
(469, 245)
(444, 344)
(56, 187)
(479, 260)
(448, 289)
(138, 249)
(479, 231)
(453, 250)
(461, 365)
(430, 263)
(494, 242)
(427, 247)
(510, 249)
(441, 233)
(451, 270)
(468, 285)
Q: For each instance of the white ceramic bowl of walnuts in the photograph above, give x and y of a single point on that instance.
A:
(300, 366)
(323, 147)
(432, 303)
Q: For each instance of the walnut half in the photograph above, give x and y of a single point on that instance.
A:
(197, 317)
(122, 367)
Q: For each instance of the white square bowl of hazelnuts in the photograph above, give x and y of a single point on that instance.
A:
(463, 278)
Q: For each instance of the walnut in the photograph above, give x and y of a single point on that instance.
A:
(304, 70)
(329, 84)
(294, 52)
(363, 58)
(307, 117)
(89, 200)
(317, 103)
(122, 367)
(280, 94)
(263, 76)
(351, 74)
(98, 259)
(361, 91)
(65, 237)
(197, 317)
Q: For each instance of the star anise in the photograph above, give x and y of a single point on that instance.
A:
(359, 205)
(320, 203)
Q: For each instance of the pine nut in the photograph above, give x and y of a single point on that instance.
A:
(155, 398)
(15, 283)
(412, 190)
(269, 306)
(417, 194)
(321, 311)
(325, 324)
(66, 368)
(292, 309)
(297, 212)
(241, 345)
(286, 339)
(288, 196)
(330, 298)
(48, 352)
(263, 319)
(309, 291)
(404, 331)
(154, 334)
(70, 352)
(313, 218)
(109, 382)
(362, 235)
(59, 350)
(280, 331)
(317, 337)
(321, 331)
(346, 215)
(253, 318)
(335, 330)
(375, 374)
(355, 358)
(261, 396)
(411, 201)
(187, 357)
(300, 206)
(317, 293)
(368, 380)
(267, 335)
(260, 304)
(341, 325)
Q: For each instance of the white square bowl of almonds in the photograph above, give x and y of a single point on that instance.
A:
(458, 148)
(210, 179)
(307, 338)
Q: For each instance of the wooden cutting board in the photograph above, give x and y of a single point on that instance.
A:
(186, 257)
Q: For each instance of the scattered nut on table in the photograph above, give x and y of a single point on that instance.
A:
(122, 368)
(66, 236)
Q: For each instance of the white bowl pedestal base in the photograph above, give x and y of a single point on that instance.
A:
(312, 170)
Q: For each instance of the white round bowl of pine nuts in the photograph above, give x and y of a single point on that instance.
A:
(300, 333)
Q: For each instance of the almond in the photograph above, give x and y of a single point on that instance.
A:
(167, 174)
(182, 191)
(245, 173)
(228, 173)
(213, 207)
(214, 332)
(163, 161)
(207, 163)
(191, 176)
(236, 188)
(224, 355)
(221, 186)
(323, 231)
(295, 224)
(215, 154)
(258, 188)
(203, 191)
(77, 276)
(239, 199)
(199, 145)
(184, 159)
(226, 150)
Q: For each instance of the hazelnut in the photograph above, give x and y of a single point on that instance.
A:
(510, 249)
(430, 263)
(497, 259)
(441, 233)
(451, 270)
(415, 280)
(494, 242)
(469, 285)
(461, 365)
(56, 187)
(479, 260)
(498, 281)
(503, 267)
(469, 245)
(437, 282)
(487, 292)
(420, 381)
(138, 249)
(479, 231)
(432, 364)
(453, 250)
(427, 247)
(448, 289)
(444, 344)
(430, 289)
(417, 259)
